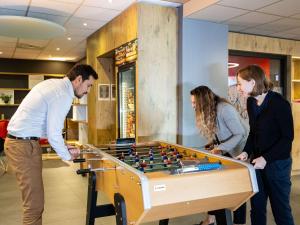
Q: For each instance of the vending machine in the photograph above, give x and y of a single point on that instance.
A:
(126, 101)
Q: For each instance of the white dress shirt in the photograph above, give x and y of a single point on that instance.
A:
(42, 113)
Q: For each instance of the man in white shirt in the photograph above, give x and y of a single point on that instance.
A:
(42, 114)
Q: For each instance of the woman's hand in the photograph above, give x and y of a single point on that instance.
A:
(259, 163)
(216, 151)
(243, 156)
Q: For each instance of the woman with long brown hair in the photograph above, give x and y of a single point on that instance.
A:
(220, 123)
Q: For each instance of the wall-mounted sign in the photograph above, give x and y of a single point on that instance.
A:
(126, 53)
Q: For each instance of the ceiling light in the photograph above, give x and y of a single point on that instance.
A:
(84, 24)
(57, 49)
(30, 28)
(110, 1)
(61, 58)
(233, 65)
(1, 53)
(69, 38)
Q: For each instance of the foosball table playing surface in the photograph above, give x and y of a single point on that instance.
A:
(159, 180)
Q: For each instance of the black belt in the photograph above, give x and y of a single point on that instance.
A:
(22, 138)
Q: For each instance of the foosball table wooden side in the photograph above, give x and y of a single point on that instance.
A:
(162, 195)
(199, 192)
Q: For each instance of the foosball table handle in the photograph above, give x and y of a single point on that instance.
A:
(78, 160)
(83, 171)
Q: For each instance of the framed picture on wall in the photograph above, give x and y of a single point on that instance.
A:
(103, 92)
(113, 92)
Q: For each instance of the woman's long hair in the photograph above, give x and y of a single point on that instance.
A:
(206, 102)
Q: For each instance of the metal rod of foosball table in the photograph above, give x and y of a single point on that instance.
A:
(101, 169)
(133, 148)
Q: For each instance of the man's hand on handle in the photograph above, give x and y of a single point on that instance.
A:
(74, 152)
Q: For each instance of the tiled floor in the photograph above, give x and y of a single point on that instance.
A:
(66, 199)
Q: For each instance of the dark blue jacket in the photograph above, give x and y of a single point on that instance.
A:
(271, 132)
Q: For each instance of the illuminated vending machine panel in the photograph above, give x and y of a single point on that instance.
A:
(126, 101)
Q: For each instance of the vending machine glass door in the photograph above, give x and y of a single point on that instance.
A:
(126, 101)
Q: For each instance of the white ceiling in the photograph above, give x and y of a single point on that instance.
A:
(71, 14)
(274, 18)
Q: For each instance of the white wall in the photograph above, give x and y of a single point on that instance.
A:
(204, 62)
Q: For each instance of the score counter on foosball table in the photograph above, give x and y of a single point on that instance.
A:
(159, 180)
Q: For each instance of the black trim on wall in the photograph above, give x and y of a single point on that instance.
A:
(34, 66)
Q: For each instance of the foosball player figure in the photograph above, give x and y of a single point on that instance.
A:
(164, 158)
(122, 157)
(137, 160)
(130, 152)
(163, 154)
(169, 162)
(143, 165)
(151, 161)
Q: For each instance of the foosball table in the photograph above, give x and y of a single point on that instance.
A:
(158, 180)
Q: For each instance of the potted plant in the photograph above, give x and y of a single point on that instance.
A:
(5, 98)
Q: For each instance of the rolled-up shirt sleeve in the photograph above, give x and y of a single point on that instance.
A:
(56, 114)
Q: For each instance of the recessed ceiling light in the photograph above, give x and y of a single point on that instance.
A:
(1, 53)
(69, 38)
(233, 65)
(110, 1)
(84, 24)
(57, 49)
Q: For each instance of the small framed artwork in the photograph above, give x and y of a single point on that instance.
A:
(103, 92)
(113, 92)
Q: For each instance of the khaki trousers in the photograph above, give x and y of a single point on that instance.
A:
(25, 158)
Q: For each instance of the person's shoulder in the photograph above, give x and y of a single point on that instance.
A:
(225, 107)
(278, 99)
(279, 103)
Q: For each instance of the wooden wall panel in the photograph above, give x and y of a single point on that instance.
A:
(117, 32)
(157, 73)
(101, 114)
(253, 43)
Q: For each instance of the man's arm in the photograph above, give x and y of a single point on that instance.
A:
(56, 114)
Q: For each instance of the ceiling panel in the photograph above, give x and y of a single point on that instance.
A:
(236, 28)
(117, 5)
(52, 7)
(285, 35)
(94, 13)
(247, 4)
(296, 16)
(7, 54)
(258, 31)
(26, 54)
(7, 39)
(252, 19)
(40, 43)
(217, 13)
(281, 25)
(73, 32)
(78, 23)
(69, 1)
(53, 18)
(12, 12)
(14, 4)
(8, 44)
(294, 31)
(283, 8)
